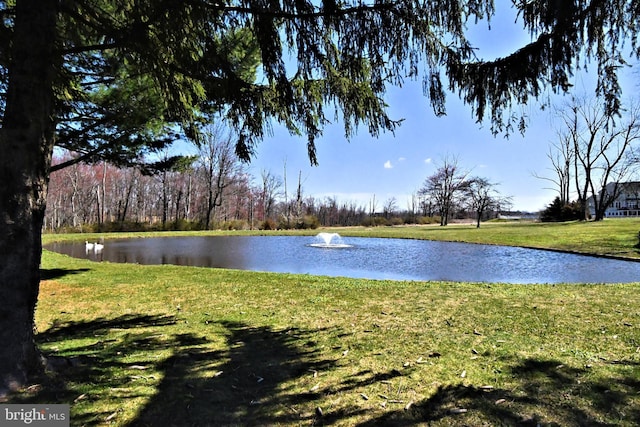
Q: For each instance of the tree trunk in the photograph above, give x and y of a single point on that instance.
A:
(26, 143)
(165, 200)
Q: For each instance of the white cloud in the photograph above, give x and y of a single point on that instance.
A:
(388, 165)
(402, 159)
(428, 161)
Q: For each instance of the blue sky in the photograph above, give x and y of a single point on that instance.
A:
(397, 165)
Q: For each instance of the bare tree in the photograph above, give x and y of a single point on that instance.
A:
(64, 196)
(163, 179)
(390, 207)
(482, 197)
(181, 187)
(297, 206)
(218, 164)
(561, 154)
(269, 193)
(373, 205)
(412, 207)
(329, 211)
(426, 204)
(444, 186)
(124, 187)
(601, 149)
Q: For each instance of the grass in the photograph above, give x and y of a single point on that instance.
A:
(167, 345)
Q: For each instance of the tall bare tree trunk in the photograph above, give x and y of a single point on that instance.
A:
(103, 194)
(26, 144)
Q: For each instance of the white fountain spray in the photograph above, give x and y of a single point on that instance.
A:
(329, 240)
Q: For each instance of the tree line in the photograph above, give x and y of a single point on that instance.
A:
(215, 189)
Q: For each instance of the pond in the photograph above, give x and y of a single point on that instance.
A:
(372, 258)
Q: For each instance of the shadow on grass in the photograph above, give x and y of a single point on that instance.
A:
(56, 273)
(248, 382)
(258, 383)
(255, 378)
(86, 368)
(548, 394)
(245, 385)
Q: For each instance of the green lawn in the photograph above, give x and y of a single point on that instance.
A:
(163, 345)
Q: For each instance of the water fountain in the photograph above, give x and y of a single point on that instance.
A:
(329, 240)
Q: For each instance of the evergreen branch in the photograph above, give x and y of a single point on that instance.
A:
(281, 14)
(90, 48)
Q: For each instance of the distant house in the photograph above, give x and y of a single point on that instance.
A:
(627, 202)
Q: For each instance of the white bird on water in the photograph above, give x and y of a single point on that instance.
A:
(88, 246)
(98, 246)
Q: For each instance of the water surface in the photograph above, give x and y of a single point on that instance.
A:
(373, 258)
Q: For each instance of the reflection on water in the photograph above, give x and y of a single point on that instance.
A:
(373, 258)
